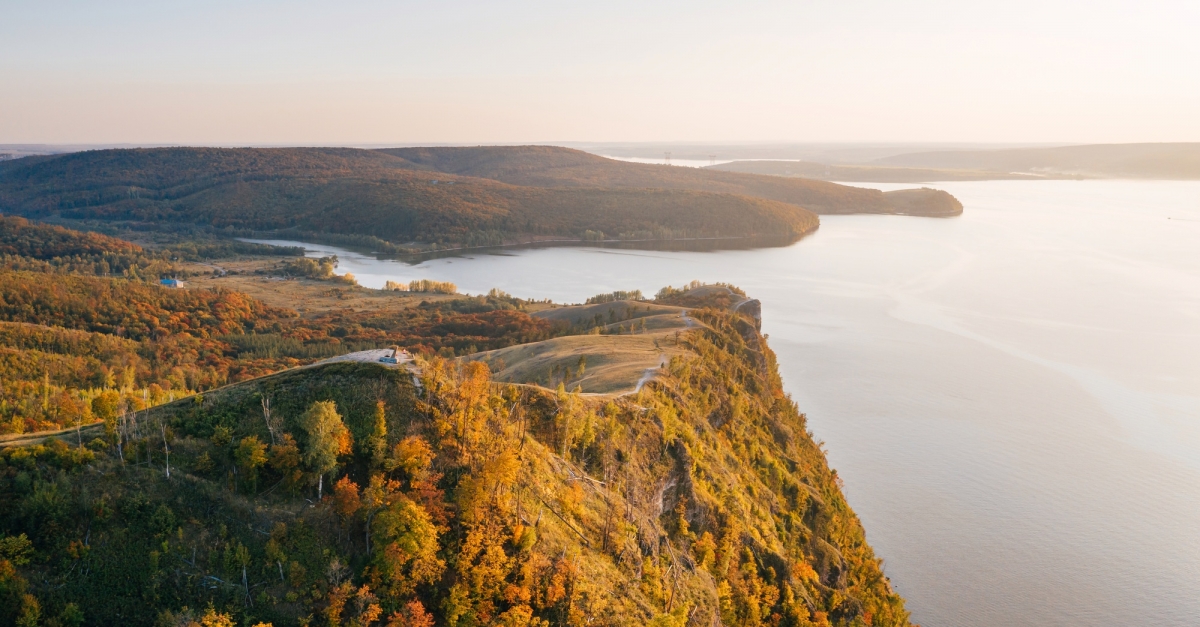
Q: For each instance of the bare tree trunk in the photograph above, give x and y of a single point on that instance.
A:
(166, 449)
(320, 485)
(120, 438)
(266, 405)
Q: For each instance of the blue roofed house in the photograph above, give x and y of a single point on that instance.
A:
(172, 283)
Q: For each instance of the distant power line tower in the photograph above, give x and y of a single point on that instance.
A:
(667, 155)
(712, 160)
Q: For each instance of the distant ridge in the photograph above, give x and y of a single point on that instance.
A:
(1180, 161)
(848, 172)
(551, 166)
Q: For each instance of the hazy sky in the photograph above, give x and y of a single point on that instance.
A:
(377, 72)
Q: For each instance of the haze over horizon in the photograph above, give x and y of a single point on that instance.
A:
(379, 73)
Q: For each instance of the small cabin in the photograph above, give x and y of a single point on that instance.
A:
(172, 283)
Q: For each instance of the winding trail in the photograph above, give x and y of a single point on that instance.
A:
(649, 374)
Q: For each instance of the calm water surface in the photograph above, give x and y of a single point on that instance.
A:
(1012, 397)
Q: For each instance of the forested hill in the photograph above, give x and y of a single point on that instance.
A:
(551, 166)
(209, 482)
(351, 494)
(44, 241)
(370, 193)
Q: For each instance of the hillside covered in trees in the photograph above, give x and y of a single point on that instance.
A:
(355, 494)
(26, 245)
(367, 193)
(185, 472)
(392, 199)
(77, 343)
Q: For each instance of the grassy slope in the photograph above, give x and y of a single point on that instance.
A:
(360, 192)
(633, 340)
(563, 167)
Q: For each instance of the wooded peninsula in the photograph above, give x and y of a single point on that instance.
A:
(228, 448)
(405, 200)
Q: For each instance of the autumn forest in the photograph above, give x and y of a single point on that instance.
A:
(196, 455)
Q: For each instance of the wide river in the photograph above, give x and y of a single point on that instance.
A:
(1012, 397)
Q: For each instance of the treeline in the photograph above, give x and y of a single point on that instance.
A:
(697, 294)
(22, 238)
(320, 269)
(37, 247)
(422, 285)
(49, 248)
(615, 296)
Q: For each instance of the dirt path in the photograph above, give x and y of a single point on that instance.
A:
(649, 374)
(85, 434)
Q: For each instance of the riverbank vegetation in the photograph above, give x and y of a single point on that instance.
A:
(423, 285)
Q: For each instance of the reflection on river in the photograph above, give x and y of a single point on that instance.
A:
(1012, 397)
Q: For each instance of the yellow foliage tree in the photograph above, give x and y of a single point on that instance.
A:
(406, 546)
(251, 454)
(328, 438)
(285, 459)
(462, 410)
